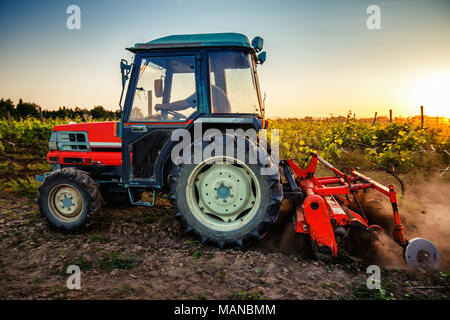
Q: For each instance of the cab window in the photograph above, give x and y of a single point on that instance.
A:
(166, 90)
(233, 85)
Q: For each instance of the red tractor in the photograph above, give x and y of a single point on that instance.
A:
(203, 90)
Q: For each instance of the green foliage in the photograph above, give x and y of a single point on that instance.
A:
(123, 290)
(23, 187)
(98, 238)
(6, 107)
(30, 133)
(98, 112)
(397, 146)
(192, 242)
(81, 262)
(114, 260)
(364, 293)
(197, 254)
(25, 110)
(445, 276)
(246, 295)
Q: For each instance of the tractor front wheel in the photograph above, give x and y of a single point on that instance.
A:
(68, 200)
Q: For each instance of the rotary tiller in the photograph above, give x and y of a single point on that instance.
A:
(322, 211)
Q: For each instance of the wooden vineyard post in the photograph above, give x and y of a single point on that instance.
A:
(421, 116)
(374, 119)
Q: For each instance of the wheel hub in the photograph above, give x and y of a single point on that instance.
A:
(225, 191)
(65, 202)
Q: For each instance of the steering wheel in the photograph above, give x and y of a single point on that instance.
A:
(178, 116)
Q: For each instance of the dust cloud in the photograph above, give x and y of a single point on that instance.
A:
(424, 211)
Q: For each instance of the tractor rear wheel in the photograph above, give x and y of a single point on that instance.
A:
(225, 201)
(68, 200)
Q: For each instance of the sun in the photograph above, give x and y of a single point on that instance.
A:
(432, 92)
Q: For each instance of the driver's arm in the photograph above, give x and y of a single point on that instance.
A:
(189, 102)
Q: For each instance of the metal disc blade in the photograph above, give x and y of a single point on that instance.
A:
(422, 253)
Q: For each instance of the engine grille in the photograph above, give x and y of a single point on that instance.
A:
(73, 141)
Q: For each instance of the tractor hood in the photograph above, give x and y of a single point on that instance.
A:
(99, 133)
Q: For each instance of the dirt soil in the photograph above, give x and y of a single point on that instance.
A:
(142, 253)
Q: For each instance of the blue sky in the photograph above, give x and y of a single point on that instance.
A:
(322, 59)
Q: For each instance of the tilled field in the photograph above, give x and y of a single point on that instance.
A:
(141, 253)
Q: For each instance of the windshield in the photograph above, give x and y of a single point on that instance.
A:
(233, 83)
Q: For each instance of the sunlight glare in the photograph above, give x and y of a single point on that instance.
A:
(433, 92)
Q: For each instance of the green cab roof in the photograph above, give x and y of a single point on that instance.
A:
(195, 40)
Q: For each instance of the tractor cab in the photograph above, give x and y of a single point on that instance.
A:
(178, 80)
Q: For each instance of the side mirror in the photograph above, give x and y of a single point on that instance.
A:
(262, 57)
(257, 43)
(125, 69)
(158, 86)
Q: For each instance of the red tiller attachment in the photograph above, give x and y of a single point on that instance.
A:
(322, 210)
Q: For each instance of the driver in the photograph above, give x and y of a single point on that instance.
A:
(189, 102)
(221, 103)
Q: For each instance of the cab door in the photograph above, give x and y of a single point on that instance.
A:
(163, 95)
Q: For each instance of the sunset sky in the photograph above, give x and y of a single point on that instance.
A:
(321, 57)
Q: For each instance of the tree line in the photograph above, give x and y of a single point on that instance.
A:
(22, 110)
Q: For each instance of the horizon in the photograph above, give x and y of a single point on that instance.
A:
(322, 58)
(350, 115)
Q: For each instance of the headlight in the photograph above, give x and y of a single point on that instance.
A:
(52, 143)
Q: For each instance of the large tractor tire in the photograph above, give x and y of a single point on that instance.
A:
(69, 199)
(227, 204)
